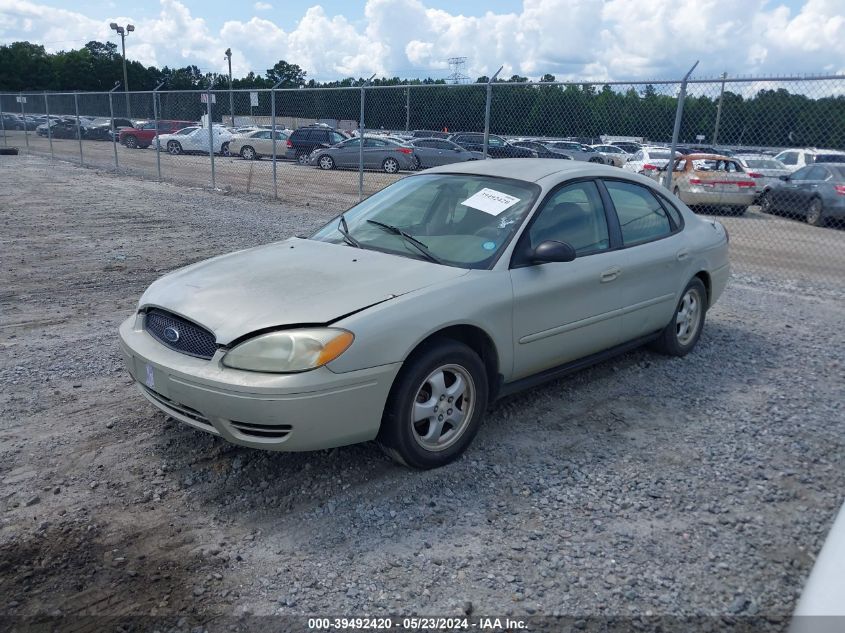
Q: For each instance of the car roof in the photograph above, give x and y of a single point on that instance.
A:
(708, 157)
(531, 169)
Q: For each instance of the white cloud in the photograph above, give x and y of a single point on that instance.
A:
(577, 39)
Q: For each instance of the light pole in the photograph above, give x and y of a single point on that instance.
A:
(123, 32)
(228, 55)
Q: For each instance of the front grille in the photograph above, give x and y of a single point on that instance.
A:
(177, 407)
(189, 338)
(263, 430)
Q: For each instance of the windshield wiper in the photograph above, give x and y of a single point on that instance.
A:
(343, 229)
(422, 248)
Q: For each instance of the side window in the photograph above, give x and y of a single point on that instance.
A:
(801, 174)
(442, 145)
(425, 144)
(335, 137)
(638, 156)
(355, 142)
(816, 173)
(677, 218)
(494, 141)
(641, 217)
(573, 214)
(374, 142)
(262, 134)
(789, 158)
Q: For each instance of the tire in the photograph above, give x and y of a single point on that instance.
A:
(815, 213)
(131, 142)
(390, 165)
(248, 152)
(302, 158)
(418, 165)
(596, 159)
(677, 193)
(8, 151)
(174, 148)
(679, 338)
(428, 442)
(737, 211)
(766, 203)
(224, 149)
(325, 162)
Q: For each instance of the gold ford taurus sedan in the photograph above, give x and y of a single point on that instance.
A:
(402, 319)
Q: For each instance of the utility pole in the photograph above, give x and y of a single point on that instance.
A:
(719, 110)
(231, 96)
(124, 32)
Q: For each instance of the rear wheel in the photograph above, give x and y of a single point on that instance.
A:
(417, 163)
(815, 212)
(131, 142)
(390, 165)
(302, 158)
(224, 149)
(174, 147)
(682, 333)
(596, 159)
(766, 203)
(326, 162)
(435, 406)
(248, 152)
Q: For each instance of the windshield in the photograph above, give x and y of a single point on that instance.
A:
(465, 220)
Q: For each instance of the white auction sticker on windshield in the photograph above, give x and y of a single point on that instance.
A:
(490, 201)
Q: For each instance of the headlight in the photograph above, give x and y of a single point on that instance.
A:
(289, 351)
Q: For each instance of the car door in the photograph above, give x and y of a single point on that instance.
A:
(426, 153)
(656, 255)
(375, 151)
(346, 154)
(790, 197)
(809, 187)
(262, 142)
(566, 310)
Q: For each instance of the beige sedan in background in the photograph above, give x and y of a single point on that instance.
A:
(711, 181)
(254, 145)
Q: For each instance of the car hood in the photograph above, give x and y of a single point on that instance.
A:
(294, 282)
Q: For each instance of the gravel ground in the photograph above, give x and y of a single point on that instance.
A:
(644, 486)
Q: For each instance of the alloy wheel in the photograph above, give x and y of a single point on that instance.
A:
(443, 407)
(688, 318)
(390, 165)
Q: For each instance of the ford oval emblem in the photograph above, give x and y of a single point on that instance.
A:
(171, 334)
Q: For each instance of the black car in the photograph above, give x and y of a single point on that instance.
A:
(65, 129)
(497, 147)
(815, 193)
(100, 130)
(541, 150)
(306, 139)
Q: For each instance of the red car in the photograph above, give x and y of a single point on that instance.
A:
(143, 135)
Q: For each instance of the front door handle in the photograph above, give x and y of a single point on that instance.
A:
(610, 274)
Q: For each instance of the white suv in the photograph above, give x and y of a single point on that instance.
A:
(795, 159)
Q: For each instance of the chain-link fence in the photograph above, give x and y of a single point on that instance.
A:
(767, 151)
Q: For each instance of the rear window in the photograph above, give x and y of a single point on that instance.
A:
(658, 155)
(764, 163)
(830, 158)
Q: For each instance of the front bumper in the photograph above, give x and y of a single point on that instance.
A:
(284, 412)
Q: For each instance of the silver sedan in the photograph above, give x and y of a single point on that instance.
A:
(384, 153)
(403, 318)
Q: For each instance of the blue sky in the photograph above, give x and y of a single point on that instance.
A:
(573, 39)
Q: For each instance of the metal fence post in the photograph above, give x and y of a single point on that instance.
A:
(407, 107)
(158, 141)
(49, 127)
(113, 130)
(361, 144)
(273, 121)
(23, 116)
(3, 121)
(210, 137)
(78, 127)
(487, 109)
(719, 110)
(679, 113)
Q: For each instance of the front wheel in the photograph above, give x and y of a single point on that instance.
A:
(680, 336)
(174, 148)
(390, 165)
(326, 162)
(815, 212)
(596, 159)
(766, 203)
(435, 406)
(224, 149)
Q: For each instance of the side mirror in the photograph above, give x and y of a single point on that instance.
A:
(458, 149)
(324, 145)
(553, 251)
(784, 178)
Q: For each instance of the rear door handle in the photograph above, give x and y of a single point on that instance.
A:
(681, 255)
(610, 274)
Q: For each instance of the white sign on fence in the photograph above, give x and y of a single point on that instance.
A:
(253, 99)
(20, 99)
(204, 97)
(699, 137)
